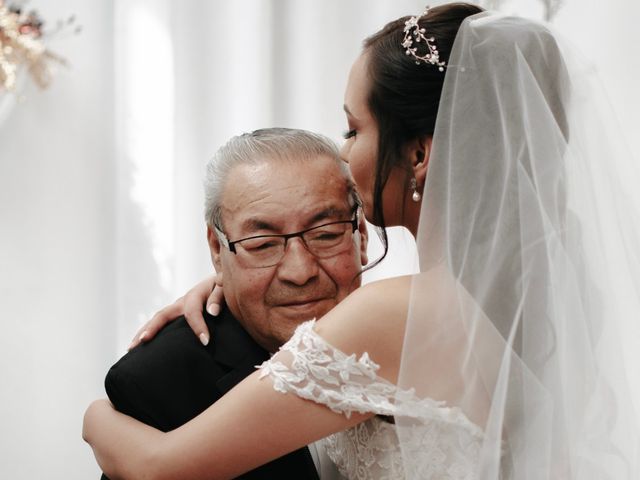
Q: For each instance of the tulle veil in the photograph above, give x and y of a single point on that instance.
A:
(529, 258)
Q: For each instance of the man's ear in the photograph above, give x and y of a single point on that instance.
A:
(419, 153)
(364, 239)
(214, 248)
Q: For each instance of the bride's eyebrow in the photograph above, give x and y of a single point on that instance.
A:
(350, 116)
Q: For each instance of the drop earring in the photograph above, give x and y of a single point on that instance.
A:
(415, 196)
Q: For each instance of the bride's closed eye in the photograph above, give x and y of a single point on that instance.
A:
(349, 134)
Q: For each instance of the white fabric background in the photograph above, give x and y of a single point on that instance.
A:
(100, 192)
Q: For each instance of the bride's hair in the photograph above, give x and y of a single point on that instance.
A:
(404, 97)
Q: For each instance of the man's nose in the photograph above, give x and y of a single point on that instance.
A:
(299, 265)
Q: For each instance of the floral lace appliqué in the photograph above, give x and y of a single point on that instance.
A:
(443, 443)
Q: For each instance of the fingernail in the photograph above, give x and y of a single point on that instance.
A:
(204, 339)
(213, 309)
(142, 336)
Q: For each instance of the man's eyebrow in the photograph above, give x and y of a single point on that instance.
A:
(258, 224)
(328, 213)
(254, 224)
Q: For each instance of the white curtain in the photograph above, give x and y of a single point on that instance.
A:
(100, 176)
(189, 76)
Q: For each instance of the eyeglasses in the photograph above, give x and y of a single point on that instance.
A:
(323, 241)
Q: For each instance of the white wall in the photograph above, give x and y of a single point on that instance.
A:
(56, 255)
(77, 268)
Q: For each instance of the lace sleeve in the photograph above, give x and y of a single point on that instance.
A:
(441, 441)
(314, 370)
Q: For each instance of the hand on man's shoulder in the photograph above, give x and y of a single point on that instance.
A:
(168, 380)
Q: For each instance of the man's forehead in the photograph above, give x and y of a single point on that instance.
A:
(269, 217)
(284, 195)
(278, 220)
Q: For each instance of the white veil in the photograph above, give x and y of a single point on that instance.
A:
(529, 253)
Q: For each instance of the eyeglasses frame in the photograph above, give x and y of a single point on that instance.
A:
(231, 245)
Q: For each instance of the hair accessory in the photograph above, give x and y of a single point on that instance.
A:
(415, 196)
(413, 32)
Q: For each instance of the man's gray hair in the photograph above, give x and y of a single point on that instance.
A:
(268, 144)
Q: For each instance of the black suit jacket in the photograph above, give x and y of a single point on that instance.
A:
(173, 378)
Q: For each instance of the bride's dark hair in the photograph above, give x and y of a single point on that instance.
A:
(404, 97)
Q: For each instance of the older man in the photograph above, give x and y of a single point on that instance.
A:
(286, 236)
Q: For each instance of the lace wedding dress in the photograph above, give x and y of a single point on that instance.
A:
(446, 446)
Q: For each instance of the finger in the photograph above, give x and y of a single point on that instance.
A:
(193, 314)
(139, 333)
(163, 317)
(157, 322)
(215, 301)
(194, 301)
(198, 325)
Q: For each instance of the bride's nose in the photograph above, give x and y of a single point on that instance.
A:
(344, 151)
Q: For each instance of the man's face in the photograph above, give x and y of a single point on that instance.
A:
(277, 198)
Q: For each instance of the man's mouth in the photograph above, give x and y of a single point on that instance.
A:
(310, 302)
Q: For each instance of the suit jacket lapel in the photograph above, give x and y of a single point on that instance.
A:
(235, 349)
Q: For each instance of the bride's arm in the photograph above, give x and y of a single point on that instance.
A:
(248, 427)
(253, 423)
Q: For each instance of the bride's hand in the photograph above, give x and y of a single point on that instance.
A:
(190, 305)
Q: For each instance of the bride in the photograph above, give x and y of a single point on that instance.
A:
(500, 359)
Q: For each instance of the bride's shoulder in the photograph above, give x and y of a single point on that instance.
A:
(384, 296)
(371, 319)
